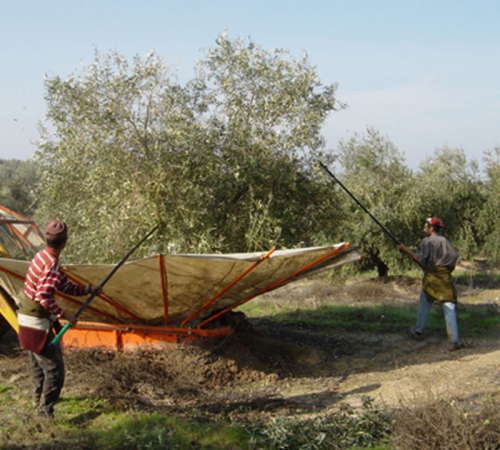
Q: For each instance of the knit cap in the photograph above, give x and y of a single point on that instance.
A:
(56, 230)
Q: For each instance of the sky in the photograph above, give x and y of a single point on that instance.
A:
(425, 74)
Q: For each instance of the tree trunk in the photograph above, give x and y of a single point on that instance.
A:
(381, 266)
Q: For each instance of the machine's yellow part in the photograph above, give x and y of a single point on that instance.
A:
(3, 253)
(8, 312)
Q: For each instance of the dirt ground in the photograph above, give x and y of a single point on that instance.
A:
(268, 369)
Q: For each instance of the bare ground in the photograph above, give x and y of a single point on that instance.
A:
(264, 369)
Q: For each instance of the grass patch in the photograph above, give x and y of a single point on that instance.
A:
(477, 320)
(435, 422)
(474, 320)
(479, 280)
(373, 305)
(5, 388)
(87, 427)
(88, 423)
(350, 318)
(155, 431)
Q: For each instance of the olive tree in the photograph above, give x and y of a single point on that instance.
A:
(266, 110)
(113, 157)
(448, 186)
(373, 170)
(488, 220)
(224, 163)
(17, 184)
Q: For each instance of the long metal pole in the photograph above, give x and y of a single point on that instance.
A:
(362, 207)
(103, 282)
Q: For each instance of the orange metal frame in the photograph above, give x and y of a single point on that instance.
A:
(230, 285)
(31, 226)
(127, 337)
(274, 285)
(130, 337)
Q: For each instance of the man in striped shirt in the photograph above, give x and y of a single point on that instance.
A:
(38, 311)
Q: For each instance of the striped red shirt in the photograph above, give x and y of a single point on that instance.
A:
(45, 277)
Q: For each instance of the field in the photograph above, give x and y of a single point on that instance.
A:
(306, 353)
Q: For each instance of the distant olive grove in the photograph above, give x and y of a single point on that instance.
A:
(17, 186)
(228, 162)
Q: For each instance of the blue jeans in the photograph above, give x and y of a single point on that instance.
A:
(450, 317)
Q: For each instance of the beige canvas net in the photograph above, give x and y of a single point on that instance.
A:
(168, 289)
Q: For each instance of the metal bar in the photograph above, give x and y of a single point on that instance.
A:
(146, 329)
(106, 299)
(164, 287)
(64, 296)
(103, 282)
(17, 238)
(15, 214)
(275, 284)
(359, 203)
(16, 221)
(92, 310)
(364, 209)
(7, 311)
(230, 285)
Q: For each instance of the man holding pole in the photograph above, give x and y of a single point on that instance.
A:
(38, 312)
(438, 258)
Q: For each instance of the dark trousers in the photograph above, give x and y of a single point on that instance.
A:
(47, 373)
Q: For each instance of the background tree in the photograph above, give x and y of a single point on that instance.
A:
(375, 173)
(447, 186)
(17, 183)
(228, 162)
(488, 223)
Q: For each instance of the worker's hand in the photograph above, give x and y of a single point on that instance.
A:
(95, 289)
(71, 319)
(402, 247)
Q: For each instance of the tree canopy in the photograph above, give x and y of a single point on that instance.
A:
(380, 181)
(224, 163)
(17, 184)
(228, 162)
